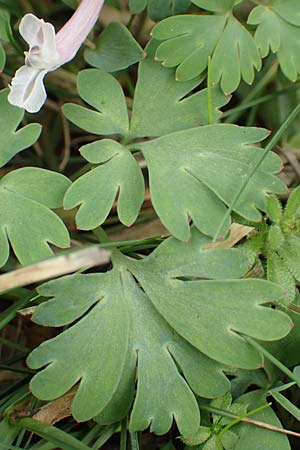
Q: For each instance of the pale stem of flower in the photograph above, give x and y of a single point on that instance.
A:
(71, 36)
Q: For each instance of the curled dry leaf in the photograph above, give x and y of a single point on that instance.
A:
(55, 411)
(236, 234)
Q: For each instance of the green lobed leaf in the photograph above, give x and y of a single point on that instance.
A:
(221, 339)
(229, 67)
(103, 92)
(132, 321)
(116, 49)
(95, 191)
(26, 197)
(12, 140)
(196, 173)
(219, 6)
(278, 30)
(288, 10)
(137, 6)
(159, 9)
(149, 343)
(101, 304)
(286, 349)
(189, 41)
(162, 106)
(150, 116)
(151, 339)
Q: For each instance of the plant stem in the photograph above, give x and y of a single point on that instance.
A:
(250, 421)
(258, 101)
(15, 369)
(272, 359)
(105, 435)
(134, 440)
(123, 437)
(101, 235)
(14, 345)
(209, 93)
(273, 141)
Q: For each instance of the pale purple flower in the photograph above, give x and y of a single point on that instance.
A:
(48, 51)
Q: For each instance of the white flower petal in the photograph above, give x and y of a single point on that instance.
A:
(29, 28)
(49, 38)
(27, 89)
(48, 51)
(39, 35)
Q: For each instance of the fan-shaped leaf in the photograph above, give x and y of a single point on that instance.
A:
(288, 9)
(103, 92)
(195, 173)
(235, 57)
(190, 40)
(26, 196)
(116, 326)
(226, 344)
(12, 141)
(278, 30)
(96, 191)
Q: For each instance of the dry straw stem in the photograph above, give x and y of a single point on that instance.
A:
(55, 267)
(270, 427)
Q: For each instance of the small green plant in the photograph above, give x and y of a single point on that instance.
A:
(277, 244)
